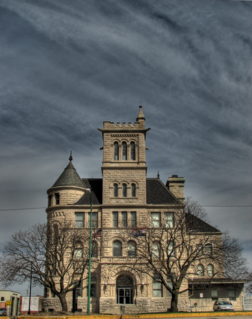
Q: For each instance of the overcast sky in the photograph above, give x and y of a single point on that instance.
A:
(67, 66)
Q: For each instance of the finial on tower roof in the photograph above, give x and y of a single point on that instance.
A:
(70, 157)
(140, 114)
(158, 176)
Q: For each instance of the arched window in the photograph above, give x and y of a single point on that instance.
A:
(200, 270)
(131, 248)
(49, 200)
(208, 248)
(115, 190)
(116, 151)
(210, 270)
(94, 249)
(133, 190)
(117, 248)
(155, 250)
(132, 151)
(124, 151)
(124, 190)
(78, 253)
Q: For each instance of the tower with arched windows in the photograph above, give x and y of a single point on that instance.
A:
(124, 204)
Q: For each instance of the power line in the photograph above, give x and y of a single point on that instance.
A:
(208, 206)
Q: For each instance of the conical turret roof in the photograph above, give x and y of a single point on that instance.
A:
(69, 177)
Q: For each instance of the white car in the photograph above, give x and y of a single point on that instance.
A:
(223, 305)
(3, 312)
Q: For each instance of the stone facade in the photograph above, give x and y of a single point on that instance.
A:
(124, 205)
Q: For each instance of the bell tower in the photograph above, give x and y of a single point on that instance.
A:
(124, 162)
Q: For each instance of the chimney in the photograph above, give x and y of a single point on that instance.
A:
(175, 184)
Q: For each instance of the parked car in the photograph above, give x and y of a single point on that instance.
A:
(223, 305)
(3, 312)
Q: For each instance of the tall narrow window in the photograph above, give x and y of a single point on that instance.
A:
(57, 198)
(210, 270)
(155, 219)
(169, 283)
(93, 287)
(208, 248)
(200, 270)
(49, 200)
(117, 248)
(94, 249)
(199, 250)
(133, 190)
(133, 219)
(124, 190)
(115, 190)
(116, 151)
(124, 151)
(132, 150)
(171, 249)
(169, 220)
(79, 289)
(124, 219)
(94, 220)
(131, 248)
(79, 220)
(155, 250)
(156, 286)
(115, 219)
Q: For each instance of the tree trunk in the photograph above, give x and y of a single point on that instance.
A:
(174, 302)
(62, 298)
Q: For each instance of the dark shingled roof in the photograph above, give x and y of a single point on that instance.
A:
(197, 225)
(96, 192)
(69, 177)
(158, 193)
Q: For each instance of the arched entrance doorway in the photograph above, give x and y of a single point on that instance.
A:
(124, 290)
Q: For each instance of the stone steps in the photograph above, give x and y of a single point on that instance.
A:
(119, 309)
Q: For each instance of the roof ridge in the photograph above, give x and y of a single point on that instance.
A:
(169, 191)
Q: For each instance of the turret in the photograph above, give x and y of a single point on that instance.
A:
(68, 188)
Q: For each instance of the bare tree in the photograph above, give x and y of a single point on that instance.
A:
(57, 256)
(183, 248)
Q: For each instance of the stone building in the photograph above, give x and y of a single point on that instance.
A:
(125, 199)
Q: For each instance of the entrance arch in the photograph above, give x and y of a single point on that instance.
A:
(124, 290)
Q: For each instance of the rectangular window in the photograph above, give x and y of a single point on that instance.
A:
(124, 219)
(199, 250)
(57, 198)
(169, 283)
(231, 295)
(155, 219)
(169, 220)
(171, 249)
(2, 298)
(208, 248)
(78, 290)
(156, 286)
(214, 294)
(133, 219)
(78, 253)
(94, 220)
(115, 219)
(79, 220)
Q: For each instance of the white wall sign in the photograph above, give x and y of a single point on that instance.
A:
(34, 304)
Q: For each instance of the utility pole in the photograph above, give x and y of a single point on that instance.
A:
(29, 310)
(90, 249)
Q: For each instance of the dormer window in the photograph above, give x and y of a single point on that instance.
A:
(124, 190)
(116, 151)
(124, 151)
(57, 199)
(132, 150)
(115, 190)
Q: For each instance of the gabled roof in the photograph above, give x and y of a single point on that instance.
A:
(69, 177)
(197, 225)
(96, 192)
(158, 193)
